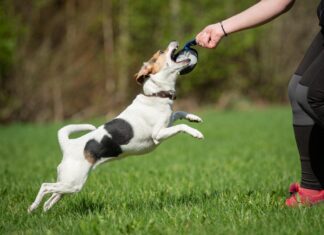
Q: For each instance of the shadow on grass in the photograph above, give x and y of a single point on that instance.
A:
(162, 199)
(190, 198)
(85, 206)
(168, 200)
(253, 198)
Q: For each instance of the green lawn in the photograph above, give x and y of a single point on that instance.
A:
(234, 181)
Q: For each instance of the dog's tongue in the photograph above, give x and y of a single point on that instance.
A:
(187, 53)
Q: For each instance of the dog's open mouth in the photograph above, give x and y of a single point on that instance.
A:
(174, 54)
(174, 57)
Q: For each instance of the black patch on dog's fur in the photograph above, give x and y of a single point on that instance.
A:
(106, 148)
(121, 133)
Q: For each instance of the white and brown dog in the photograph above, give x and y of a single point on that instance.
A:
(137, 130)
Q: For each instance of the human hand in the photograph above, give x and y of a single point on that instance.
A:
(210, 36)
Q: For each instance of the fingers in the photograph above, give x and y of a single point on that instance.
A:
(203, 37)
(206, 40)
(209, 37)
(214, 39)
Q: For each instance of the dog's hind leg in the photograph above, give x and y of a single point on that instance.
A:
(58, 187)
(41, 193)
(51, 201)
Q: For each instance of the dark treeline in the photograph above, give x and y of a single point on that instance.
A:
(67, 59)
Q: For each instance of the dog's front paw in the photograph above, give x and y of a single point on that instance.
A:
(193, 118)
(197, 134)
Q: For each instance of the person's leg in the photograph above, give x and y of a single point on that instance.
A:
(303, 125)
(311, 98)
(307, 133)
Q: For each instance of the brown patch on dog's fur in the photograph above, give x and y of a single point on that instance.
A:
(89, 157)
(152, 66)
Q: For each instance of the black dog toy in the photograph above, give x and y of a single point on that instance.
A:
(188, 53)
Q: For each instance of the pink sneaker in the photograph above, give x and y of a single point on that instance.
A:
(303, 196)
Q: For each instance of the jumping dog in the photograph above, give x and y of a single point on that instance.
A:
(139, 129)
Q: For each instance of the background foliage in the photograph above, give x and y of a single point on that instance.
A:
(61, 59)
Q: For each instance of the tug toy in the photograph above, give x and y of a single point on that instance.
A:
(188, 53)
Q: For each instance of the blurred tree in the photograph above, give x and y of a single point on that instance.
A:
(108, 46)
(123, 44)
(68, 59)
(9, 31)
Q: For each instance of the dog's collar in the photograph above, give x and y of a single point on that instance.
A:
(164, 94)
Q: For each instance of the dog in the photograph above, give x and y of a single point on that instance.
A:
(139, 129)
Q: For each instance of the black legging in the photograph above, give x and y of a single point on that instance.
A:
(306, 93)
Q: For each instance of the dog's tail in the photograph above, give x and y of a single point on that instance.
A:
(64, 132)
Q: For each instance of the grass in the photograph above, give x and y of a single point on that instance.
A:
(233, 182)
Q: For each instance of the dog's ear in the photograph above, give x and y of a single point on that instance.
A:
(148, 68)
(144, 72)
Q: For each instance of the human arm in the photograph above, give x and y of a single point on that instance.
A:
(260, 13)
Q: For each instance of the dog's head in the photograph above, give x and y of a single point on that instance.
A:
(163, 62)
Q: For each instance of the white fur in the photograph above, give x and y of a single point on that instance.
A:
(151, 119)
